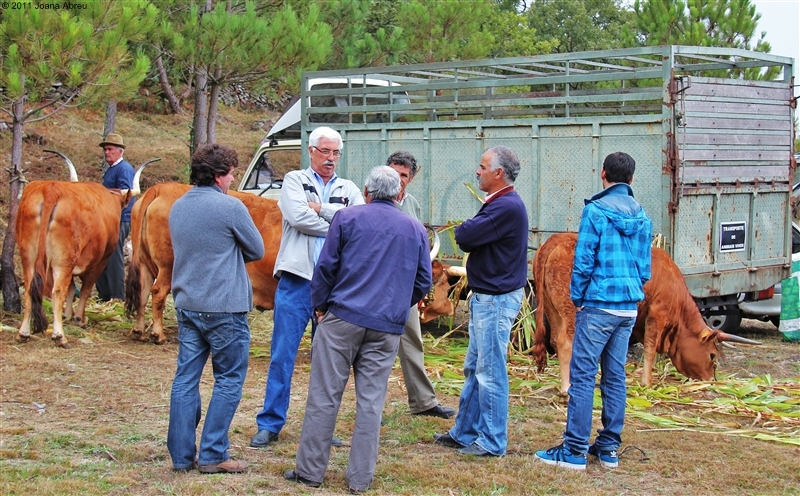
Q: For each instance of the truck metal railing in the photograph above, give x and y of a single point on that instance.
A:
(610, 82)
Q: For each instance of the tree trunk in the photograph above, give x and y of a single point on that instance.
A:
(174, 104)
(188, 91)
(200, 125)
(111, 117)
(11, 300)
(213, 106)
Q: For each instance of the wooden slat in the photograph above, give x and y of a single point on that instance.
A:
(735, 155)
(752, 92)
(741, 125)
(763, 173)
(734, 139)
(710, 106)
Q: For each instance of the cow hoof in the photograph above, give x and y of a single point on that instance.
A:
(22, 339)
(159, 339)
(138, 336)
(61, 341)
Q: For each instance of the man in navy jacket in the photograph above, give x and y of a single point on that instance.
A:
(117, 173)
(361, 320)
(497, 242)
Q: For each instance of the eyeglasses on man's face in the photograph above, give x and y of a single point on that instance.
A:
(327, 152)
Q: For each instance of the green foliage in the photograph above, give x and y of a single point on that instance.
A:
(713, 23)
(359, 41)
(241, 46)
(580, 25)
(515, 36)
(436, 31)
(85, 51)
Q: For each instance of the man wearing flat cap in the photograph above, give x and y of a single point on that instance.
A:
(117, 173)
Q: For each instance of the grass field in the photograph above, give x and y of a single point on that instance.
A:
(92, 419)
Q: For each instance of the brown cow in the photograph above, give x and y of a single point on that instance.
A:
(64, 229)
(668, 320)
(151, 263)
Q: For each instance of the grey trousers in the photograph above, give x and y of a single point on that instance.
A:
(421, 395)
(338, 346)
(111, 283)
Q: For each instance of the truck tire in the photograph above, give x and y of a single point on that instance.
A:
(776, 320)
(725, 323)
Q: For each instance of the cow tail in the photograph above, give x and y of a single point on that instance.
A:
(540, 337)
(40, 266)
(37, 311)
(133, 282)
(133, 289)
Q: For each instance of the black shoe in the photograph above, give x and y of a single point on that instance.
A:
(336, 442)
(446, 440)
(262, 439)
(186, 469)
(291, 475)
(438, 411)
(474, 450)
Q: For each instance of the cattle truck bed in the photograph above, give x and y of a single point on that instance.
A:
(712, 144)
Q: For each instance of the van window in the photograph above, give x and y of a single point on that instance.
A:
(400, 97)
(271, 166)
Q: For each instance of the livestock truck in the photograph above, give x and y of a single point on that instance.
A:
(711, 130)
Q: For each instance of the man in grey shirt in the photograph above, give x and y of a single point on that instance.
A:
(421, 396)
(213, 236)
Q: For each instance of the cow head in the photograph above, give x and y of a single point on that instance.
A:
(437, 303)
(698, 359)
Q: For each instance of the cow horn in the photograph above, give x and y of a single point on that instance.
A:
(73, 174)
(724, 336)
(137, 188)
(456, 271)
(436, 243)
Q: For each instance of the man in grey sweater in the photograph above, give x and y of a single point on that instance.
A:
(213, 236)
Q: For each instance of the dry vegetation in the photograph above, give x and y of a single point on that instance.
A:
(93, 419)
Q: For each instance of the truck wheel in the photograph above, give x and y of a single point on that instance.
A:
(726, 323)
(776, 320)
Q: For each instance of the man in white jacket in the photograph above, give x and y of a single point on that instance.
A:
(309, 198)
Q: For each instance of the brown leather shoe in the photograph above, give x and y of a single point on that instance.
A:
(229, 466)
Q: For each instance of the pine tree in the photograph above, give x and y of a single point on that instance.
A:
(51, 60)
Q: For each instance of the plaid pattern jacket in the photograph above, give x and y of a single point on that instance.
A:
(612, 258)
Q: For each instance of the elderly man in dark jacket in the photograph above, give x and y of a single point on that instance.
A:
(361, 321)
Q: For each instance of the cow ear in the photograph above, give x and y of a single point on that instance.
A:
(708, 335)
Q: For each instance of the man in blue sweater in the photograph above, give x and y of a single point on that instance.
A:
(612, 263)
(497, 269)
(213, 236)
(117, 173)
(361, 319)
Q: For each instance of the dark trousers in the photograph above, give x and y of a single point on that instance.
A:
(111, 283)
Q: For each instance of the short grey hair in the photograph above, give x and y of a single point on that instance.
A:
(383, 183)
(505, 158)
(324, 132)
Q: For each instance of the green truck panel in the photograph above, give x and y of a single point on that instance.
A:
(713, 149)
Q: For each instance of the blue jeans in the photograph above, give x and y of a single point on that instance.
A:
(599, 336)
(227, 337)
(483, 406)
(291, 315)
